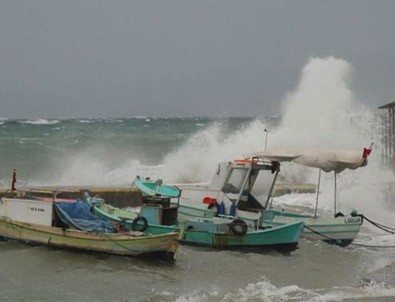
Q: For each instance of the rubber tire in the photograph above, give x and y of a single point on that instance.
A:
(238, 227)
(136, 223)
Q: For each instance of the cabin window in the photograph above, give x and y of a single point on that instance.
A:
(262, 185)
(251, 180)
(235, 181)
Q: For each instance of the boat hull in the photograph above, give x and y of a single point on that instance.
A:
(127, 244)
(206, 232)
(283, 238)
(335, 230)
(150, 188)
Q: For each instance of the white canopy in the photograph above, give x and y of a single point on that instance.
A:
(327, 160)
(332, 160)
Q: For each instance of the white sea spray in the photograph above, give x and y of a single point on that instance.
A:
(41, 122)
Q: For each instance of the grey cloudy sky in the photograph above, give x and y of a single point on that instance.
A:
(97, 58)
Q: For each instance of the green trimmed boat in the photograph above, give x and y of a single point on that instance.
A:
(127, 219)
(54, 224)
(218, 231)
(152, 188)
(233, 233)
(244, 188)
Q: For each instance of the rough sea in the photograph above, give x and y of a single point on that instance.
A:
(111, 152)
(178, 150)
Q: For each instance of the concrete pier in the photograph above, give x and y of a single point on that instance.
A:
(124, 196)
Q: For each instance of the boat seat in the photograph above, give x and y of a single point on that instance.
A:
(252, 210)
(249, 203)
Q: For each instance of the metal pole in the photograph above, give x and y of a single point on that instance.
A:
(335, 188)
(265, 138)
(318, 193)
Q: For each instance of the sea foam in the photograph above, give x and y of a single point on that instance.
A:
(40, 122)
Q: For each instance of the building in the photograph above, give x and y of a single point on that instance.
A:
(388, 134)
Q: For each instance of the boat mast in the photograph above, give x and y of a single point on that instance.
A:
(335, 190)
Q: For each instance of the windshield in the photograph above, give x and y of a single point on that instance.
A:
(262, 185)
(235, 181)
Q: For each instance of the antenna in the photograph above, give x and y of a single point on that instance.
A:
(266, 131)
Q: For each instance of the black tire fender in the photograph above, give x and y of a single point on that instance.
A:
(140, 223)
(238, 227)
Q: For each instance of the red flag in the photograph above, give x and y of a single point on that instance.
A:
(13, 181)
(366, 151)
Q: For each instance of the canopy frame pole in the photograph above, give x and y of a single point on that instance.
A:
(269, 195)
(318, 193)
(335, 190)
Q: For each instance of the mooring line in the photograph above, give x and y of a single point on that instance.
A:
(379, 225)
(352, 243)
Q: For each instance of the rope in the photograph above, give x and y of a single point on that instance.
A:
(376, 246)
(352, 243)
(379, 225)
(121, 245)
(318, 233)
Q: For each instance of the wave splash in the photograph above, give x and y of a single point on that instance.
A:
(321, 112)
(266, 291)
(40, 122)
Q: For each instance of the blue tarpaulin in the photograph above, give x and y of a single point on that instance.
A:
(77, 215)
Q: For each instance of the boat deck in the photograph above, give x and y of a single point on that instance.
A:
(116, 196)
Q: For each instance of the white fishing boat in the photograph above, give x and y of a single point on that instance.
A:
(243, 188)
(71, 225)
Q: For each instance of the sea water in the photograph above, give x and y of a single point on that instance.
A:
(320, 112)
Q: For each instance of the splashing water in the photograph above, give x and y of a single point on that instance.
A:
(318, 112)
(321, 112)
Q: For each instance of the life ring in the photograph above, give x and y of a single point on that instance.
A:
(214, 207)
(140, 223)
(239, 227)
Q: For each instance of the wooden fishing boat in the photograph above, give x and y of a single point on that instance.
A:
(216, 232)
(152, 188)
(233, 233)
(47, 223)
(244, 188)
(160, 220)
(222, 231)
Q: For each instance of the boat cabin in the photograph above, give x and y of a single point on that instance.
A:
(241, 185)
